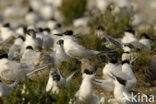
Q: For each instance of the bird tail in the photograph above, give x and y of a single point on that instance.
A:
(38, 69)
(107, 52)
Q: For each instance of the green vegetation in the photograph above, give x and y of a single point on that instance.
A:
(113, 23)
(34, 93)
(72, 9)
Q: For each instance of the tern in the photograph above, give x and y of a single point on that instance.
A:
(30, 40)
(13, 70)
(14, 50)
(21, 30)
(121, 94)
(30, 56)
(31, 17)
(74, 50)
(6, 32)
(85, 94)
(122, 71)
(130, 39)
(59, 55)
(56, 79)
(48, 41)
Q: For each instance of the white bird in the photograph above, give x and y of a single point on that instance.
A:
(59, 55)
(21, 30)
(52, 23)
(6, 32)
(36, 4)
(48, 41)
(85, 93)
(130, 39)
(121, 94)
(129, 36)
(47, 11)
(15, 49)
(143, 43)
(55, 80)
(57, 29)
(128, 53)
(6, 89)
(30, 41)
(13, 70)
(74, 50)
(102, 4)
(145, 40)
(30, 56)
(122, 71)
(31, 17)
(64, 80)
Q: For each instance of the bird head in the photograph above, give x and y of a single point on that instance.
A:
(21, 37)
(129, 31)
(125, 62)
(88, 74)
(60, 42)
(7, 25)
(32, 33)
(4, 56)
(145, 36)
(55, 76)
(29, 48)
(47, 30)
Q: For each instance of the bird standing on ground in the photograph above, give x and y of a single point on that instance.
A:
(85, 94)
(30, 56)
(74, 50)
(123, 71)
(14, 50)
(59, 55)
(121, 94)
(56, 79)
(13, 70)
(30, 41)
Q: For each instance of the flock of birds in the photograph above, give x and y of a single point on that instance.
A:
(24, 56)
(29, 42)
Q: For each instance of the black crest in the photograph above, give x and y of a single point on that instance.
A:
(60, 42)
(113, 61)
(6, 25)
(125, 61)
(86, 71)
(144, 35)
(130, 31)
(56, 77)
(121, 81)
(47, 30)
(21, 37)
(3, 56)
(68, 32)
(29, 47)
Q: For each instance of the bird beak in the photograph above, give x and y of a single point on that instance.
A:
(58, 34)
(152, 39)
